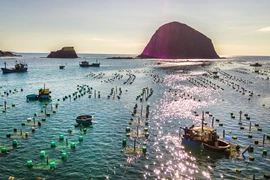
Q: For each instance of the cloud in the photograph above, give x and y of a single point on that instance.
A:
(265, 29)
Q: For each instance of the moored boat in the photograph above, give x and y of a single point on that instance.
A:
(61, 67)
(87, 64)
(85, 119)
(43, 94)
(220, 146)
(19, 67)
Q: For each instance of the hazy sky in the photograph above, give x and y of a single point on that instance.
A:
(236, 27)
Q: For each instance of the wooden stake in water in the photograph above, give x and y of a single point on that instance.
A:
(47, 160)
(5, 102)
(134, 144)
(212, 122)
(249, 126)
(223, 133)
(240, 112)
(263, 139)
(66, 142)
(141, 109)
(202, 120)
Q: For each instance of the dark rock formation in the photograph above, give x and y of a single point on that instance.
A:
(118, 57)
(65, 52)
(179, 41)
(10, 54)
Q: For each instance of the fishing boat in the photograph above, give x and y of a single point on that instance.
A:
(85, 119)
(87, 64)
(220, 146)
(19, 67)
(256, 64)
(61, 67)
(196, 135)
(43, 94)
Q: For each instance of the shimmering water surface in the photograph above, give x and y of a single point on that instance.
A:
(181, 89)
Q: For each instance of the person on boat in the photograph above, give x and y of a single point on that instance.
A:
(84, 117)
(215, 139)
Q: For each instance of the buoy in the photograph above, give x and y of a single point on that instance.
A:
(146, 134)
(240, 123)
(26, 134)
(13, 105)
(43, 119)
(61, 137)
(242, 127)
(52, 165)
(264, 152)
(4, 150)
(238, 170)
(234, 137)
(53, 144)
(14, 142)
(80, 138)
(220, 124)
(23, 123)
(248, 118)
(217, 120)
(29, 119)
(251, 158)
(266, 176)
(144, 143)
(268, 136)
(8, 135)
(42, 154)
(146, 123)
(84, 130)
(35, 114)
(29, 163)
(256, 142)
(54, 111)
(127, 129)
(144, 149)
(33, 129)
(145, 129)
(48, 114)
(124, 142)
(250, 149)
(259, 129)
(70, 130)
(250, 135)
(237, 147)
(64, 155)
(72, 145)
(128, 134)
(256, 124)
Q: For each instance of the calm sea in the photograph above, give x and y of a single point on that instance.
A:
(181, 89)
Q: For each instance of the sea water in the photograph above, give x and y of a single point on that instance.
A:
(181, 89)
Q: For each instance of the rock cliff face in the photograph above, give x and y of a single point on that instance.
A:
(179, 41)
(10, 54)
(65, 52)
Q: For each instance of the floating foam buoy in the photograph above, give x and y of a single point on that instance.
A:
(248, 118)
(14, 142)
(144, 143)
(52, 165)
(250, 149)
(237, 147)
(8, 135)
(146, 123)
(220, 124)
(144, 149)
(256, 142)
(54, 111)
(145, 129)
(146, 134)
(35, 114)
(23, 123)
(48, 114)
(64, 155)
(238, 170)
(84, 130)
(3, 111)
(256, 124)
(264, 152)
(266, 176)
(53, 144)
(127, 129)
(242, 127)
(42, 154)
(124, 142)
(250, 135)
(268, 136)
(259, 129)
(234, 137)
(29, 163)
(217, 120)
(43, 119)
(4, 150)
(72, 145)
(61, 137)
(13, 105)
(29, 119)
(128, 134)
(80, 138)
(33, 129)
(251, 158)
(240, 123)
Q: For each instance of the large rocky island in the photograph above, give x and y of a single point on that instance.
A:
(179, 41)
(7, 53)
(65, 52)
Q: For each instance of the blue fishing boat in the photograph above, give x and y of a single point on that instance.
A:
(85, 119)
(43, 94)
(19, 67)
(87, 64)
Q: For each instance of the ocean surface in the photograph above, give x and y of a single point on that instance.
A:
(181, 91)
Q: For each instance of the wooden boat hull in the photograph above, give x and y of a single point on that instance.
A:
(222, 146)
(190, 142)
(13, 70)
(90, 65)
(85, 120)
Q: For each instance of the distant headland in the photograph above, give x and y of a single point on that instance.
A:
(65, 52)
(7, 53)
(179, 41)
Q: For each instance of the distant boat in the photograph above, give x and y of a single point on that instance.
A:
(85, 120)
(19, 67)
(256, 64)
(87, 64)
(43, 94)
(61, 67)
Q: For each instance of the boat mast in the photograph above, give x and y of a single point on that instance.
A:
(202, 120)
(5, 65)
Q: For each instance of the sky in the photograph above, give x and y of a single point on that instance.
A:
(236, 27)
